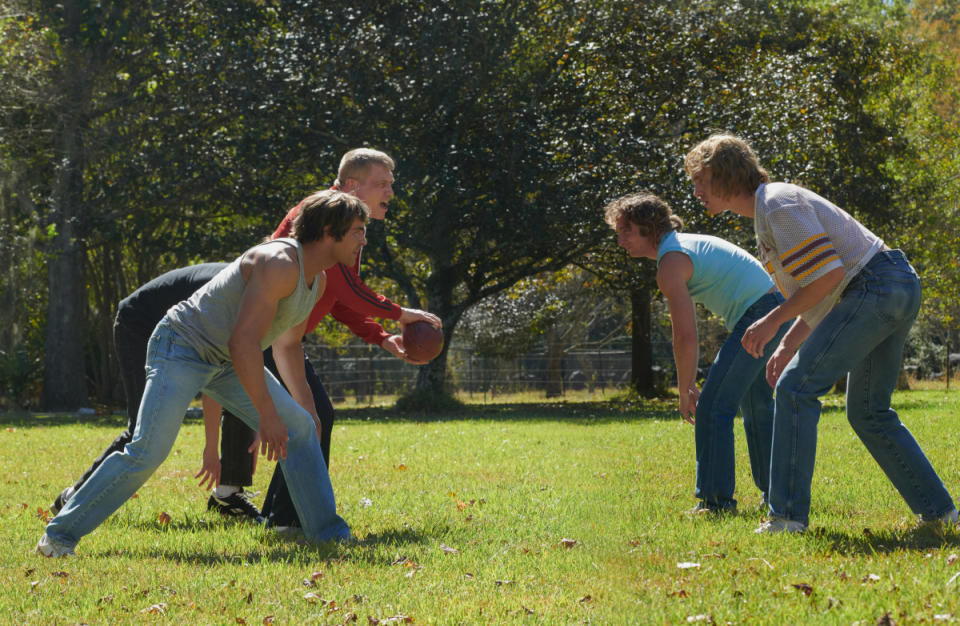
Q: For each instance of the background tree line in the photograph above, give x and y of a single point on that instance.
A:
(138, 137)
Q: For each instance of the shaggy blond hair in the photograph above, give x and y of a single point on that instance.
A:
(734, 167)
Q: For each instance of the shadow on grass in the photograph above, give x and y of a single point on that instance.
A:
(571, 412)
(287, 548)
(869, 542)
(580, 412)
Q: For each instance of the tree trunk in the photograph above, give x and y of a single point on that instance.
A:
(432, 377)
(641, 377)
(554, 364)
(64, 378)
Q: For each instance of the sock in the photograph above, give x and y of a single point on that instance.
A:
(225, 491)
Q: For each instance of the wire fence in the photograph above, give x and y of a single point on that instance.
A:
(362, 372)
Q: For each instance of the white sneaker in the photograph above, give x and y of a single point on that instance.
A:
(776, 525)
(53, 549)
(947, 519)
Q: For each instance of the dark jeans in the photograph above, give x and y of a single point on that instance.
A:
(131, 346)
(277, 505)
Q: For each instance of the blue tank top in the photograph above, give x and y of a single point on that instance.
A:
(726, 278)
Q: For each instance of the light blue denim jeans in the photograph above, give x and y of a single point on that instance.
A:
(863, 336)
(175, 374)
(736, 380)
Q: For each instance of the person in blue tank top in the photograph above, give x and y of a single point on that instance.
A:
(213, 342)
(733, 285)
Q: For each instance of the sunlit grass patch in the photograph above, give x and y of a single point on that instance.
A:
(503, 513)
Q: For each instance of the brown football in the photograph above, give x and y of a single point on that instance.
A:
(422, 341)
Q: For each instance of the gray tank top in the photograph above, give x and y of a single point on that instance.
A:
(206, 319)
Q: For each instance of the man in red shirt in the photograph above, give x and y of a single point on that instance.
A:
(368, 175)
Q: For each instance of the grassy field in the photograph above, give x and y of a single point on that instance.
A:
(529, 513)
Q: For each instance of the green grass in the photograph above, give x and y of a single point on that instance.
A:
(503, 486)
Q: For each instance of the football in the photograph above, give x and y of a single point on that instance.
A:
(422, 341)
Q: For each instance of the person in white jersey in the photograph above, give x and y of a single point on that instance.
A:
(854, 300)
(213, 343)
(733, 285)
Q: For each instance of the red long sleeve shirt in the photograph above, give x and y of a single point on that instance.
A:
(346, 297)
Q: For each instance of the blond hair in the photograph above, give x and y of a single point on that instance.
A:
(734, 167)
(357, 162)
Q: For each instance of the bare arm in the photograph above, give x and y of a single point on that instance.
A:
(288, 353)
(672, 276)
(209, 473)
(763, 330)
(270, 276)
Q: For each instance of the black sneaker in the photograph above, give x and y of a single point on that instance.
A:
(235, 505)
(61, 500)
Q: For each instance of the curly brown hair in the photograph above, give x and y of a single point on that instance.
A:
(652, 215)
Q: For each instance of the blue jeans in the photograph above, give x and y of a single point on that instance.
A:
(862, 336)
(175, 374)
(736, 380)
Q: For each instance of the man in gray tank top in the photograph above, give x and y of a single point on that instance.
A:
(213, 343)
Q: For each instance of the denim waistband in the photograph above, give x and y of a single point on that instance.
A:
(769, 300)
(886, 256)
(882, 257)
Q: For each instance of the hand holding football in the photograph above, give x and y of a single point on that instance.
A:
(422, 341)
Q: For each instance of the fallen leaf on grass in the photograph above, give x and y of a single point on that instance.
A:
(448, 549)
(11, 430)
(396, 619)
(240, 620)
(164, 518)
(952, 559)
(461, 505)
(678, 594)
(105, 599)
(584, 599)
(886, 620)
(401, 468)
(687, 565)
(568, 543)
(500, 583)
(870, 578)
(59, 574)
(806, 588)
(267, 620)
(312, 598)
(349, 617)
(28, 571)
(43, 514)
(156, 609)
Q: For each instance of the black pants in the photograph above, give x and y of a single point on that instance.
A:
(236, 463)
(277, 505)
